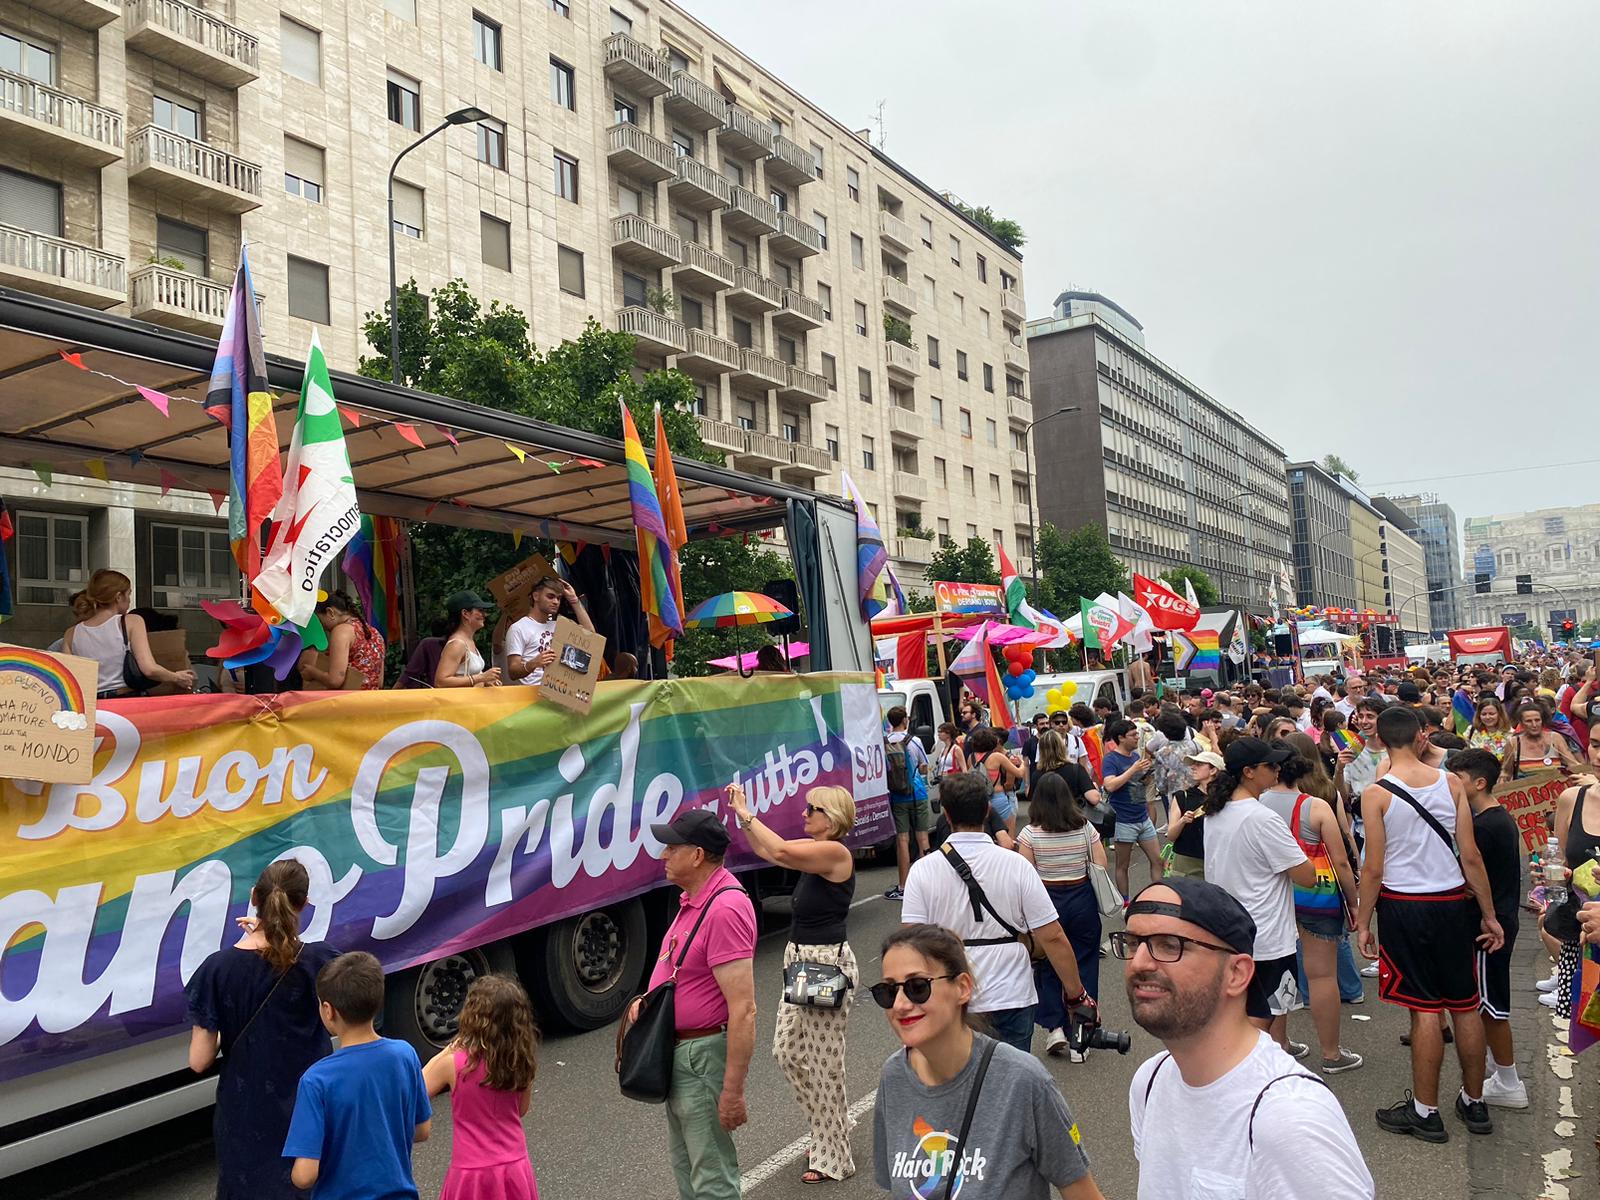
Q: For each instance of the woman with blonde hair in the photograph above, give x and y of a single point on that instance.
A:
(108, 633)
(809, 1043)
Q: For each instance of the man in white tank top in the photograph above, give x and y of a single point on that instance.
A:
(1424, 880)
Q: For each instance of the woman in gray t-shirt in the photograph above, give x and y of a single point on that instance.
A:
(1023, 1138)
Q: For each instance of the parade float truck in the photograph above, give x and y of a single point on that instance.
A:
(1485, 645)
(449, 832)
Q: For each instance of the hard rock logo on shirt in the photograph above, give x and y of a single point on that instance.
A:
(936, 1153)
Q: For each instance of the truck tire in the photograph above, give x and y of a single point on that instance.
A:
(583, 971)
(422, 1004)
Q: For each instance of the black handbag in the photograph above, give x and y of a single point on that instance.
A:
(645, 1045)
(816, 984)
(134, 679)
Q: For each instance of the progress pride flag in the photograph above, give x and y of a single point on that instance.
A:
(1167, 609)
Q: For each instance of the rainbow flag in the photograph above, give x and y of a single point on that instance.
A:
(372, 561)
(656, 558)
(872, 557)
(671, 498)
(238, 389)
(1462, 712)
(1349, 741)
(1197, 649)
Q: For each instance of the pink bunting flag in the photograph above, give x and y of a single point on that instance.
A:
(168, 481)
(351, 415)
(73, 358)
(447, 435)
(159, 399)
(410, 434)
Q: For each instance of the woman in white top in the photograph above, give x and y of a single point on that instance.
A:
(460, 662)
(949, 758)
(106, 631)
(1060, 843)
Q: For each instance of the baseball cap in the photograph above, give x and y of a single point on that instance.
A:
(1408, 692)
(1209, 757)
(1206, 693)
(1254, 752)
(696, 827)
(1203, 904)
(465, 600)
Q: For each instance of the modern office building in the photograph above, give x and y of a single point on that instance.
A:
(618, 162)
(1324, 551)
(1171, 475)
(1405, 570)
(1558, 547)
(1366, 549)
(1437, 530)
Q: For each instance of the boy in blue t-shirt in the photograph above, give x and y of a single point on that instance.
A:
(360, 1109)
(1123, 766)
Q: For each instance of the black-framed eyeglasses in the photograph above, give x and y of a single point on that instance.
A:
(1163, 947)
(918, 988)
(813, 808)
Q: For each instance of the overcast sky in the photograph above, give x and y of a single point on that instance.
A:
(1371, 228)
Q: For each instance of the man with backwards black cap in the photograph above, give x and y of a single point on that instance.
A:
(1224, 1111)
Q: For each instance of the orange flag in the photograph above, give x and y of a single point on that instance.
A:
(677, 531)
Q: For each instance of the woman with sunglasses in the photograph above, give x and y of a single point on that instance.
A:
(809, 1042)
(1022, 1140)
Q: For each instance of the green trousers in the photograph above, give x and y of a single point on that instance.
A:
(703, 1158)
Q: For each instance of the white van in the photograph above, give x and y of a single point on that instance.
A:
(924, 699)
(1092, 686)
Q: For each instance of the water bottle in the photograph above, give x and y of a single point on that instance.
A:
(1555, 890)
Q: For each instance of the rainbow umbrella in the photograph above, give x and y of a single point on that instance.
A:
(729, 609)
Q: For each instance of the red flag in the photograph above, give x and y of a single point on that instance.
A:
(1167, 609)
(911, 656)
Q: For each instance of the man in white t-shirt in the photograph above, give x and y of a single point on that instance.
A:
(1224, 1111)
(528, 641)
(1355, 687)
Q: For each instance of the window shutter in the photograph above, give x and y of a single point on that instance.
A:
(408, 204)
(303, 160)
(30, 203)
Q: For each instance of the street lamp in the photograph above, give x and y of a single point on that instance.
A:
(1033, 524)
(462, 116)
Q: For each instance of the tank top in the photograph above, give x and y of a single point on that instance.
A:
(1415, 858)
(486, 1128)
(1283, 802)
(1581, 844)
(107, 645)
(472, 664)
(821, 910)
(1532, 756)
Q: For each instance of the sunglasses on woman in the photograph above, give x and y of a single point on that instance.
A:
(812, 808)
(918, 988)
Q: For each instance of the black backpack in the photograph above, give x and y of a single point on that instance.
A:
(898, 762)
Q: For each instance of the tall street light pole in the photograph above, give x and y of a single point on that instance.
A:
(462, 116)
(1033, 522)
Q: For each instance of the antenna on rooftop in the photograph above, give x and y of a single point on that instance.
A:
(877, 119)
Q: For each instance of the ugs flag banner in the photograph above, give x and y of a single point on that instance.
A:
(427, 824)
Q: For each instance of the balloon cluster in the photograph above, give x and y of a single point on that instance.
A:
(1019, 674)
(1060, 696)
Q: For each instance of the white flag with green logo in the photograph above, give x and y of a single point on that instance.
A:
(317, 513)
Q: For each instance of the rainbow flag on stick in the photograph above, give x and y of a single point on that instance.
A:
(656, 558)
(872, 556)
(1462, 712)
(1349, 741)
(671, 499)
(372, 561)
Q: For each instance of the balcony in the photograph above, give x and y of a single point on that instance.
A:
(635, 152)
(799, 312)
(908, 486)
(1011, 304)
(52, 266)
(708, 354)
(193, 40)
(748, 212)
(651, 330)
(57, 125)
(638, 241)
(791, 162)
(185, 169)
(1025, 564)
(808, 461)
(803, 386)
(719, 435)
(695, 104)
(698, 186)
(1022, 514)
(744, 135)
(903, 359)
(899, 295)
(178, 299)
(1019, 409)
(795, 239)
(895, 231)
(703, 267)
(635, 67)
(1016, 358)
(85, 14)
(755, 291)
(1019, 461)
(761, 369)
(914, 550)
(907, 423)
(764, 450)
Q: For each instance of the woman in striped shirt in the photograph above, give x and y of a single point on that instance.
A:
(1060, 843)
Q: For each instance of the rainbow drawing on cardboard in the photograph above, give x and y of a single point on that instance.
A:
(46, 669)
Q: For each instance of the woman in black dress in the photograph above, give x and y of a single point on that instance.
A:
(254, 1004)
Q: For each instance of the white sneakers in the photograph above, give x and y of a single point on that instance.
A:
(1548, 985)
(1548, 999)
(1502, 1096)
(1370, 970)
(1055, 1043)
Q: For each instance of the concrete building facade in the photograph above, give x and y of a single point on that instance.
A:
(1405, 570)
(625, 164)
(1558, 547)
(1366, 552)
(1171, 475)
(1324, 551)
(1437, 529)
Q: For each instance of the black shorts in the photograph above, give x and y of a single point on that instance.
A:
(1274, 989)
(1427, 956)
(1494, 974)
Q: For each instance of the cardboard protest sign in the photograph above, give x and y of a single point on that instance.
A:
(1530, 800)
(170, 649)
(46, 715)
(570, 680)
(354, 680)
(513, 589)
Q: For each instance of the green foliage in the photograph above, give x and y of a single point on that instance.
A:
(1528, 633)
(972, 563)
(1006, 231)
(1589, 629)
(897, 330)
(1079, 564)
(727, 564)
(1334, 465)
(1204, 590)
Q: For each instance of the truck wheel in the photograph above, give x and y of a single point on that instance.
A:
(583, 971)
(422, 1004)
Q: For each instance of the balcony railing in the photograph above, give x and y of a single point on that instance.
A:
(651, 327)
(894, 229)
(60, 110)
(792, 160)
(241, 50)
(153, 146)
(800, 233)
(1011, 304)
(161, 291)
(708, 263)
(902, 358)
(900, 294)
(906, 422)
(1019, 461)
(695, 175)
(702, 100)
(914, 550)
(766, 448)
(640, 152)
(909, 486)
(1015, 356)
(57, 258)
(810, 458)
(752, 207)
(806, 383)
(1019, 408)
(638, 66)
(748, 280)
(720, 435)
(804, 306)
(753, 132)
(631, 233)
(713, 349)
(763, 367)
(1021, 514)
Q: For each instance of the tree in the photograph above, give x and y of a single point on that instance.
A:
(1006, 231)
(1204, 590)
(1334, 465)
(1527, 633)
(972, 563)
(1079, 564)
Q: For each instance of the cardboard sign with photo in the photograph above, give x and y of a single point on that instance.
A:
(571, 679)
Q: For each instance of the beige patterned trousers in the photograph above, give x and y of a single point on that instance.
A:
(809, 1045)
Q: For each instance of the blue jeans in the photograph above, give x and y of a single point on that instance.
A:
(1080, 921)
(1350, 986)
(1013, 1026)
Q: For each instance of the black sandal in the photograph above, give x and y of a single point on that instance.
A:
(812, 1175)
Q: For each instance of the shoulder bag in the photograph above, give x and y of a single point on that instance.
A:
(981, 905)
(134, 679)
(645, 1045)
(813, 984)
(966, 1120)
(1394, 789)
(1324, 898)
(1106, 896)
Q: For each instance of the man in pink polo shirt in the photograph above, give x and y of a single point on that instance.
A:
(715, 1006)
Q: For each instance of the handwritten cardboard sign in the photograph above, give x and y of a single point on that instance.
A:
(1530, 801)
(46, 715)
(513, 590)
(570, 680)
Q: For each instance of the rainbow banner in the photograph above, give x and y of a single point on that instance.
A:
(650, 533)
(372, 561)
(429, 823)
(1462, 712)
(1197, 649)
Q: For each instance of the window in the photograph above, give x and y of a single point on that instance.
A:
(486, 41)
(308, 291)
(566, 177)
(733, 171)
(983, 269)
(301, 51)
(1007, 280)
(852, 183)
(831, 440)
(861, 319)
(970, 478)
(492, 146)
(569, 270)
(621, 22)
(972, 532)
(858, 252)
(408, 208)
(184, 243)
(623, 110)
(961, 364)
(31, 59)
(940, 472)
(30, 203)
(937, 407)
(180, 116)
(930, 290)
(864, 384)
(405, 101)
(788, 350)
(683, 143)
(783, 274)
(776, 124)
(820, 220)
(694, 313)
(927, 232)
(744, 333)
(816, 157)
(561, 8)
(747, 414)
(955, 249)
(961, 306)
(933, 351)
(869, 457)
(702, 400)
(563, 88)
(302, 169)
(688, 227)
(51, 553)
(677, 60)
(830, 371)
(496, 237)
(983, 315)
(825, 298)
(944, 531)
(966, 422)
(737, 251)
(991, 431)
(988, 377)
(994, 488)
(406, 10)
(189, 564)
(634, 291)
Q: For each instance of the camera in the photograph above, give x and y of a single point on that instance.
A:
(1083, 1037)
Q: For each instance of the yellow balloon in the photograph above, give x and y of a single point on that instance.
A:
(1068, 689)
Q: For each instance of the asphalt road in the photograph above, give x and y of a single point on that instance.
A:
(586, 1141)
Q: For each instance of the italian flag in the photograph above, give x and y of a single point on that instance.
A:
(1015, 593)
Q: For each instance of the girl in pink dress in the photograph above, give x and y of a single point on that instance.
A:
(489, 1071)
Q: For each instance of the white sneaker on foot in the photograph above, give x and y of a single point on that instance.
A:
(1077, 1056)
(1548, 999)
(1370, 970)
(1055, 1042)
(1503, 1096)
(1548, 985)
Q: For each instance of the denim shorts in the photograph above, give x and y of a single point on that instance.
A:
(1004, 805)
(1325, 929)
(1135, 831)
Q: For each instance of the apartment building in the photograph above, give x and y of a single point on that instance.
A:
(1123, 441)
(1405, 570)
(619, 162)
